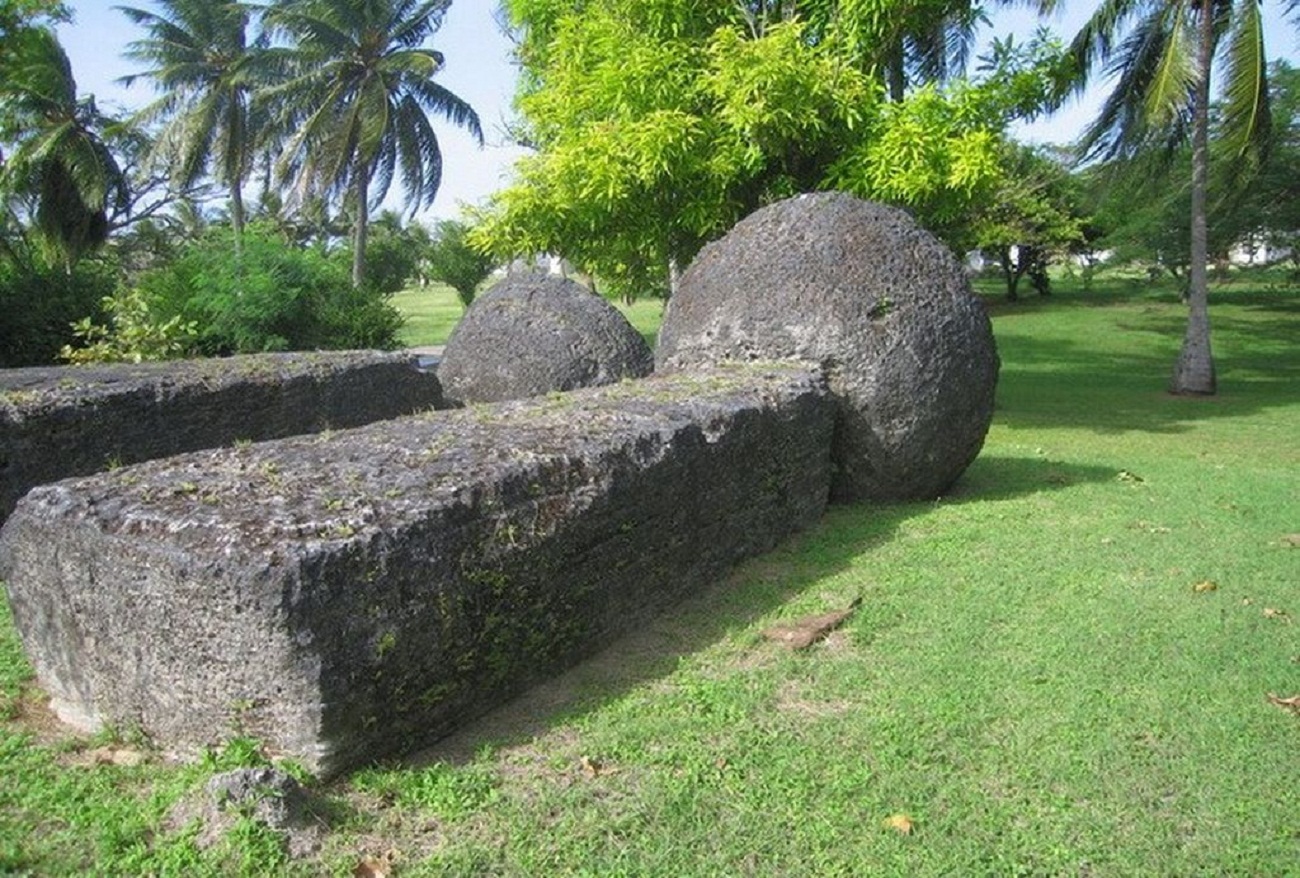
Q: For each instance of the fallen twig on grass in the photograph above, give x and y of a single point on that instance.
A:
(1292, 703)
(803, 633)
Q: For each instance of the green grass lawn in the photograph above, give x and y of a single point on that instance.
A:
(1039, 676)
(431, 314)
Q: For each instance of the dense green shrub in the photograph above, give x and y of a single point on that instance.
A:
(276, 297)
(39, 305)
(450, 259)
(392, 258)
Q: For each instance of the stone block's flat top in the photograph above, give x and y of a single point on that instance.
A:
(34, 389)
(354, 484)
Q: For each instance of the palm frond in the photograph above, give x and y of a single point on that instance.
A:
(1145, 104)
(373, 113)
(166, 38)
(1246, 116)
(382, 169)
(421, 155)
(190, 141)
(39, 77)
(1095, 41)
(315, 34)
(417, 63)
(1171, 43)
(435, 98)
(414, 21)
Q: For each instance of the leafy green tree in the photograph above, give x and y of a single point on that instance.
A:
(1031, 218)
(659, 124)
(1143, 202)
(60, 173)
(1163, 52)
(359, 92)
(1146, 203)
(918, 43)
(305, 221)
(201, 59)
(393, 252)
(1275, 195)
(450, 258)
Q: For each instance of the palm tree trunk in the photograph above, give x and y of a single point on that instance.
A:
(237, 219)
(1194, 372)
(896, 75)
(360, 228)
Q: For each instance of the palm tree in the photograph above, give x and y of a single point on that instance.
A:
(930, 45)
(1163, 66)
(18, 15)
(60, 162)
(206, 68)
(359, 92)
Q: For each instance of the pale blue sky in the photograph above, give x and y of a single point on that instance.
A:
(479, 70)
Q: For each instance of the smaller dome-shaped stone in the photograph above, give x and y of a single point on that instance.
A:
(533, 334)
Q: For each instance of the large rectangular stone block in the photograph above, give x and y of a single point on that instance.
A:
(60, 421)
(357, 594)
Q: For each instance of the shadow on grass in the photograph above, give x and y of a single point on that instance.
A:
(1113, 376)
(1268, 289)
(1271, 323)
(755, 589)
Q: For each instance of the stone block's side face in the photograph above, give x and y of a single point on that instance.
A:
(65, 421)
(349, 596)
(138, 636)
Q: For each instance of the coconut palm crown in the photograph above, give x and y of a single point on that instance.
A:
(60, 162)
(206, 68)
(357, 94)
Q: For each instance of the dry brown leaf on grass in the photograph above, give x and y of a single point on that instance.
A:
(381, 866)
(900, 823)
(1203, 587)
(594, 767)
(1292, 703)
(803, 633)
(123, 756)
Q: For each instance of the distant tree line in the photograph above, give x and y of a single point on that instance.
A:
(654, 125)
(318, 106)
